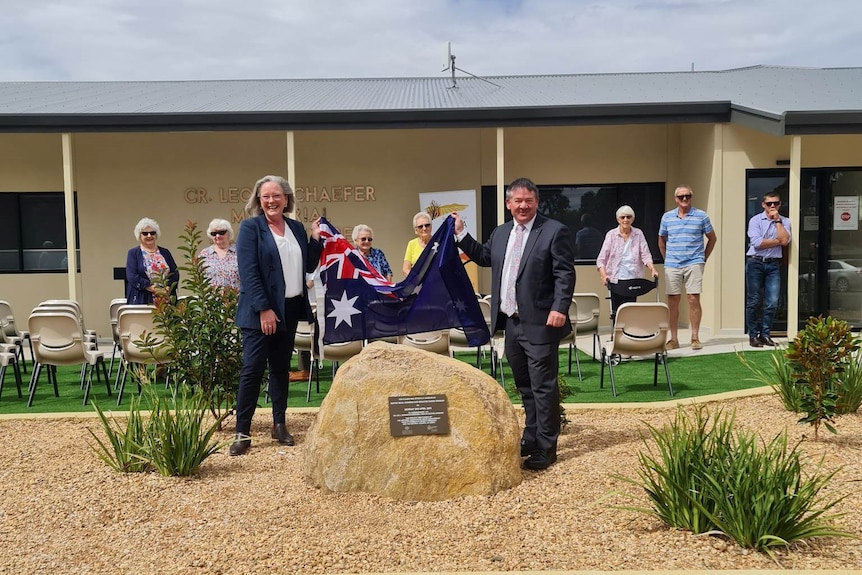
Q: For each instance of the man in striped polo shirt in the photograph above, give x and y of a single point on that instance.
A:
(680, 240)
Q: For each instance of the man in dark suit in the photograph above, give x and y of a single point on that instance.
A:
(532, 281)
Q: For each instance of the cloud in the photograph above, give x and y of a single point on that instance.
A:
(216, 39)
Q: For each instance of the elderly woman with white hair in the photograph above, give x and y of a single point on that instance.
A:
(362, 238)
(415, 247)
(219, 259)
(623, 255)
(145, 264)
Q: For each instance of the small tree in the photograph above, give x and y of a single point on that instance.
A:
(206, 349)
(819, 355)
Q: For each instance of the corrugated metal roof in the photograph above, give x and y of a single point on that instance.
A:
(770, 92)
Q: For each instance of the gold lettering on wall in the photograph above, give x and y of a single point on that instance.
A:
(304, 195)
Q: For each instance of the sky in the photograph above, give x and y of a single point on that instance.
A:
(105, 40)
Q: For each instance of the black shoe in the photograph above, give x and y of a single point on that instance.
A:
(240, 445)
(754, 342)
(280, 433)
(527, 449)
(766, 340)
(541, 459)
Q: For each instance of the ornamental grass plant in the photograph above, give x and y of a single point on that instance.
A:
(703, 476)
(174, 440)
(124, 449)
(777, 374)
(177, 439)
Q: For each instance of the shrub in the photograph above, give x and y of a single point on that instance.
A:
(206, 350)
(704, 477)
(819, 355)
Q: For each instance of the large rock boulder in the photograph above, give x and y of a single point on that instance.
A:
(349, 446)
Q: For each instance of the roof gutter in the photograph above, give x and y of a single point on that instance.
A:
(589, 115)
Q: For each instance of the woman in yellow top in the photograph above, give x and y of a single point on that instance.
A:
(422, 228)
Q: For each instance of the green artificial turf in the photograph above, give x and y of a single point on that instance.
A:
(691, 376)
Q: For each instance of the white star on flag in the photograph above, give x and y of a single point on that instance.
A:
(343, 310)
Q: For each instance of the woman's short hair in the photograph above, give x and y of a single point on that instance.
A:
(626, 211)
(147, 223)
(421, 216)
(220, 224)
(252, 207)
(358, 229)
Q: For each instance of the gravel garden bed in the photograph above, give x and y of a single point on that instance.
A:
(63, 511)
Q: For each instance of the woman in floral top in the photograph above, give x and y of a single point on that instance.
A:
(362, 238)
(220, 258)
(146, 262)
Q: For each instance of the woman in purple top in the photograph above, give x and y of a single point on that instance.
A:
(623, 255)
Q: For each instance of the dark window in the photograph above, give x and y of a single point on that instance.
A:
(590, 212)
(33, 232)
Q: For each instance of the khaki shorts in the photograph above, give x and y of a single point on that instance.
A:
(690, 276)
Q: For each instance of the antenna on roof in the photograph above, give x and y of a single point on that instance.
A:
(450, 66)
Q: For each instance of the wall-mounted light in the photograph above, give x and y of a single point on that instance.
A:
(782, 162)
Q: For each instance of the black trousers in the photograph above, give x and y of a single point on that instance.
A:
(258, 350)
(535, 367)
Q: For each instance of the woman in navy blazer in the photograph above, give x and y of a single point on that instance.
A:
(146, 259)
(274, 254)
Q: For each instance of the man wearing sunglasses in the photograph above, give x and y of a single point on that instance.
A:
(768, 233)
(680, 240)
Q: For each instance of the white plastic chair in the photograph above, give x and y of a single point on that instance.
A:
(58, 339)
(640, 329)
(589, 307)
(433, 341)
(571, 340)
(132, 322)
(11, 333)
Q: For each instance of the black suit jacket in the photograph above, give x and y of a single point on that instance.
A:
(546, 277)
(260, 273)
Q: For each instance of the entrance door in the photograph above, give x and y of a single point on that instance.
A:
(828, 231)
(830, 248)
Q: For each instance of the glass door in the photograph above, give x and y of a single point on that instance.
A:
(830, 249)
(844, 247)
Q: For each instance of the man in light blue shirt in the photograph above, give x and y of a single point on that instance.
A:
(680, 240)
(768, 233)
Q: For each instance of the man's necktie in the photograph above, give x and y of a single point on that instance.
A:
(509, 302)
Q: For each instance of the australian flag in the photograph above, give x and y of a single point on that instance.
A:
(362, 304)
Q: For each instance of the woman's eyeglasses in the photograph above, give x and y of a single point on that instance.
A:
(215, 233)
(626, 217)
(365, 239)
(684, 197)
(772, 204)
(423, 226)
(148, 233)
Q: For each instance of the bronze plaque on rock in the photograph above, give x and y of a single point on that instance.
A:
(418, 415)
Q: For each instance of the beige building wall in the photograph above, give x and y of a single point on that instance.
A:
(590, 155)
(31, 163)
(375, 177)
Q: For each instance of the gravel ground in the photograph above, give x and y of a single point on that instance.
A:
(63, 511)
